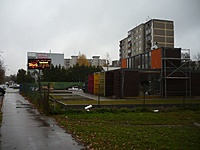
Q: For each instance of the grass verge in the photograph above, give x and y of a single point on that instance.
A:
(134, 129)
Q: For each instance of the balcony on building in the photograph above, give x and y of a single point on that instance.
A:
(129, 52)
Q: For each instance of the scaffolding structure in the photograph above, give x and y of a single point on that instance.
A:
(176, 72)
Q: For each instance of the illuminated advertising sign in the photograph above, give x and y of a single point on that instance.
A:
(42, 56)
(39, 63)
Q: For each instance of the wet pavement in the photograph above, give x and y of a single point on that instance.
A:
(23, 128)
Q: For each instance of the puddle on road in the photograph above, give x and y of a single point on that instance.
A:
(23, 106)
(20, 104)
(18, 101)
(38, 118)
(43, 123)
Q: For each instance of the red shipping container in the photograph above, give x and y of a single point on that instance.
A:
(91, 84)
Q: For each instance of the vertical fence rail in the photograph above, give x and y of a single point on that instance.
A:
(39, 99)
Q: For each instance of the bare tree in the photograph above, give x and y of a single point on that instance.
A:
(2, 72)
(196, 63)
(197, 57)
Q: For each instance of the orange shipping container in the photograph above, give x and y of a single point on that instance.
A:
(156, 60)
(124, 64)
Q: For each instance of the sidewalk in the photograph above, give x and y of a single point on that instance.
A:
(23, 128)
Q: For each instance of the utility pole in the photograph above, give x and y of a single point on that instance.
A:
(39, 81)
(107, 60)
(107, 64)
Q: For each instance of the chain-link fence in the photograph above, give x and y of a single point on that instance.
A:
(40, 99)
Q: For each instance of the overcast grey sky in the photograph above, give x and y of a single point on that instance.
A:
(92, 27)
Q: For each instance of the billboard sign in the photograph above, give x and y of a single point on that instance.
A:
(39, 63)
(42, 56)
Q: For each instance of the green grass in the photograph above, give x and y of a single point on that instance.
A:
(126, 129)
(139, 101)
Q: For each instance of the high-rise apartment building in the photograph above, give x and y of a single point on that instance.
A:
(147, 36)
(123, 51)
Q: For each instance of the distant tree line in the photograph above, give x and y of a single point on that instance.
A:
(24, 77)
(77, 73)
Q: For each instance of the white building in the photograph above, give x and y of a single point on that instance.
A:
(95, 61)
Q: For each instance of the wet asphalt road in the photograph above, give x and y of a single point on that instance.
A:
(23, 128)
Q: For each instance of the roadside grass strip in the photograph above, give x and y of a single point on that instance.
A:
(120, 129)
